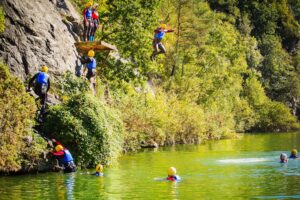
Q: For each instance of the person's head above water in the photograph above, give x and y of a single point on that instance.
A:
(172, 176)
(294, 152)
(172, 171)
(283, 158)
(99, 168)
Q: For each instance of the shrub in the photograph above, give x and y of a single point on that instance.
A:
(91, 130)
(16, 114)
(69, 85)
(275, 116)
(2, 20)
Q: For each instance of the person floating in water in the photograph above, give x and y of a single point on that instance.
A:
(283, 158)
(294, 154)
(64, 156)
(41, 83)
(172, 175)
(99, 170)
(87, 21)
(158, 47)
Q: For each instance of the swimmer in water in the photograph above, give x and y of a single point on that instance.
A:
(172, 175)
(294, 154)
(283, 158)
(99, 170)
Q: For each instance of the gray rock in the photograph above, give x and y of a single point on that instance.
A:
(39, 32)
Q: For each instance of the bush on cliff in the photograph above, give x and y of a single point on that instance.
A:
(19, 147)
(92, 131)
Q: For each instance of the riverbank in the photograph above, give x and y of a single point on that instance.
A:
(245, 168)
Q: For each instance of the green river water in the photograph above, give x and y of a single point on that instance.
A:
(247, 168)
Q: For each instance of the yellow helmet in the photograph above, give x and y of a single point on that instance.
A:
(172, 171)
(59, 148)
(89, 4)
(163, 26)
(91, 53)
(44, 69)
(294, 152)
(99, 168)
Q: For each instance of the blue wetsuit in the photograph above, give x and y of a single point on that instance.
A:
(293, 156)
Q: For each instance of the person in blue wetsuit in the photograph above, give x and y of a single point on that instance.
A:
(64, 156)
(87, 21)
(283, 158)
(294, 154)
(41, 82)
(172, 175)
(90, 65)
(158, 47)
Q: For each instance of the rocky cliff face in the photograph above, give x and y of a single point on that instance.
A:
(39, 32)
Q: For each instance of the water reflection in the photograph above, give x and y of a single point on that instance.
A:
(69, 184)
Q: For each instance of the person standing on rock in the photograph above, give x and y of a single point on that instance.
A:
(96, 22)
(91, 69)
(41, 85)
(87, 21)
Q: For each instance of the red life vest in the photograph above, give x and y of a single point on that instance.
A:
(171, 178)
(95, 15)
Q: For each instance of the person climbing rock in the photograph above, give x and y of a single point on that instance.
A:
(64, 157)
(87, 21)
(96, 22)
(294, 154)
(91, 69)
(41, 84)
(172, 175)
(158, 47)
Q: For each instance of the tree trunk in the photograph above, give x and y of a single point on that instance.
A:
(179, 9)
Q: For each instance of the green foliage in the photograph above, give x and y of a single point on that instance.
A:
(92, 131)
(164, 118)
(16, 114)
(2, 20)
(275, 116)
(69, 85)
(270, 115)
(275, 24)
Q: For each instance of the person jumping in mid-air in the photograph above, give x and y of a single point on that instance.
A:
(158, 47)
(96, 22)
(172, 174)
(87, 21)
(41, 84)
